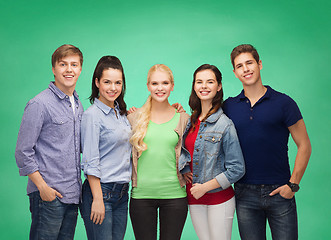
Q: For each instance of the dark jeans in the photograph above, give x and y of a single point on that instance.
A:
(115, 198)
(52, 220)
(144, 215)
(254, 206)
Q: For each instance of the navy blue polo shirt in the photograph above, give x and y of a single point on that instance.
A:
(263, 134)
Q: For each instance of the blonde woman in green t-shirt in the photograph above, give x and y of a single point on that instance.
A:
(158, 189)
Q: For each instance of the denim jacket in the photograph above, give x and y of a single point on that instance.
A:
(217, 153)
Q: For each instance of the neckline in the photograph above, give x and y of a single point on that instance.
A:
(166, 121)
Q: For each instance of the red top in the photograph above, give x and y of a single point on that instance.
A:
(209, 198)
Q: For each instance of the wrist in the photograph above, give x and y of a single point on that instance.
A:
(293, 186)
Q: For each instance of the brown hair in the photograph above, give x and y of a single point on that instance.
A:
(244, 48)
(195, 102)
(66, 50)
(105, 63)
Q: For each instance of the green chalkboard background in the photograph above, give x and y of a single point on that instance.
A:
(292, 37)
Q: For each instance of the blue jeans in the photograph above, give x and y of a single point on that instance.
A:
(52, 220)
(254, 206)
(115, 198)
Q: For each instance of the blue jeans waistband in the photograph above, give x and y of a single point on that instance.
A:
(117, 187)
(258, 186)
(112, 186)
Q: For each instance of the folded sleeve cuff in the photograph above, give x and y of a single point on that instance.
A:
(223, 181)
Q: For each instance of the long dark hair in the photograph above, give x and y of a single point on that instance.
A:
(195, 102)
(105, 63)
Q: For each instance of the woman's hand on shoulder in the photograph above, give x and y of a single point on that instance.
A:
(132, 110)
(178, 107)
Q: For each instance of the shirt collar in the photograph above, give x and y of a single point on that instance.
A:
(268, 93)
(215, 116)
(58, 92)
(103, 107)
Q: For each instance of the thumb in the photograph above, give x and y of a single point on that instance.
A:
(274, 192)
(58, 194)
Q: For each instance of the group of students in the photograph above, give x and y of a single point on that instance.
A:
(174, 161)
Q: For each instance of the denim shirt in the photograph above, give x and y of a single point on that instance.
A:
(105, 143)
(49, 142)
(217, 153)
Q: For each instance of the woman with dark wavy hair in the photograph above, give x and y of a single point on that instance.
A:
(211, 158)
(105, 134)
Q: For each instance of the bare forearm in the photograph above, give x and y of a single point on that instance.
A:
(301, 139)
(95, 187)
(38, 180)
(46, 192)
(211, 185)
(198, 190)
(301, 162)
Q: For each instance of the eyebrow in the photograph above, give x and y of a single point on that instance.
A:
(67, 61)
(198, 79)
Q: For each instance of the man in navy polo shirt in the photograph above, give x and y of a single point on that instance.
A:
(264, 118)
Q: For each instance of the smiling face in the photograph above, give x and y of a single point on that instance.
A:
(206, 85)
(160, 86)
(110, 86)
(66, 72)
(247, 70)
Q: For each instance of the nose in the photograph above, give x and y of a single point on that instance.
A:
(204, 84)
(69, 68)
(112, 86)
(245, 68)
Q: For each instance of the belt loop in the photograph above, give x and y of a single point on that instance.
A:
(114, 187)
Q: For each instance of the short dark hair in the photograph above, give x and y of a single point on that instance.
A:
(195, 102)
(105, 63)
(244, 48)
(66, 50)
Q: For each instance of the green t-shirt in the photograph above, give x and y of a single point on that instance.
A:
(156, 170)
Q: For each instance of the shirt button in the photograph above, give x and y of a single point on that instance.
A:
(196, 163)
(251, 118)
(251, 109)
(200, 136)
(196, 175)
(197, 149)
(247, 101)
(205, 125)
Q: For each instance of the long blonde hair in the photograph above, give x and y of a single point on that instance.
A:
(144, 113)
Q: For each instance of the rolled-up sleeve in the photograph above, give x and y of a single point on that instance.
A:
(90, 132)
(234, 160)
(31, 125)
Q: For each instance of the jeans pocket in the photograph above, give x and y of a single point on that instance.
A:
(280, 196)
(50, 202)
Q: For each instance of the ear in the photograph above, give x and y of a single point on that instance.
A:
(172, 88)
(260, 64)
(53, 70)
(219, 87)
(97, 83)
(148, 87)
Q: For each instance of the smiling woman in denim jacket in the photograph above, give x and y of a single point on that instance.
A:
(105, 134)
(211, 158)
